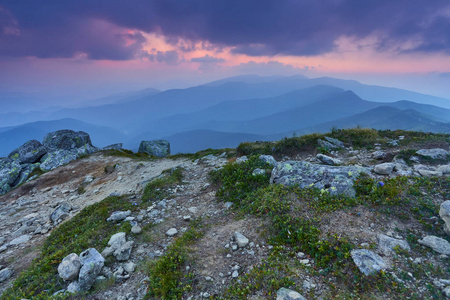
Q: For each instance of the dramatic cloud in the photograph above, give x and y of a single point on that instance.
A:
(112, 30)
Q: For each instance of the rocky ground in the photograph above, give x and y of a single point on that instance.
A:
(232, 243)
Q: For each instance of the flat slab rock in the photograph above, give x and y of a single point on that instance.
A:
(387, 244)
(436, 153)
(335, 180)
(367, 261)
(436, 243)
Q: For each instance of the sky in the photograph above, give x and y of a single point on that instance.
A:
(75, 50)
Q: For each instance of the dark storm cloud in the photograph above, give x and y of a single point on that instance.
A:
(265, 27)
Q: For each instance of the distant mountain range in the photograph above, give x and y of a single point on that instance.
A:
(226, 112)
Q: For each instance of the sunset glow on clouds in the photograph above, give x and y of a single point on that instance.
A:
(98, 41)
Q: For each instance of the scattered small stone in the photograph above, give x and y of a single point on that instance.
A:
(268, 159)
(328, 160)
(186, 218)
(240, 239)
(193, 209)
(118, 216)
(124, 251)
(228, 205)
(69, 267)
(257, 172)
(367, 261)
(241, 159)
(136, 229)
(235, 274)
(129, 267)
(287, 294)
(61, 212)
(384, 169)
(171, 232)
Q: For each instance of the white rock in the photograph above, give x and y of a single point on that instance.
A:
(129, 267)
(136, 229)
(171, 232)
(436, 243)
(240, 239)
(69, 267)
(444, 213)
(117, 240)
(384, 169)
(124, 251)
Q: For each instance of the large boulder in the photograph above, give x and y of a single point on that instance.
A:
(9, 174)
(335, 180)
(158, 148)
(26, 171)
(57, 158)
(28, 153)
(67, 140)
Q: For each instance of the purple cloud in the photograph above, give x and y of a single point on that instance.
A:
(55, 28)
(207, 59)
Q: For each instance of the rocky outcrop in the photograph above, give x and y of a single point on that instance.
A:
(335, 180)
(67, 140)
(59, 148)
(158, 148)
(9, 174)
(28, 153)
